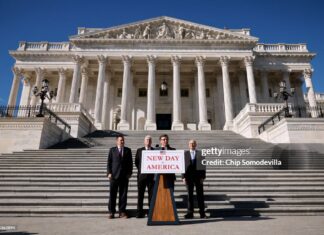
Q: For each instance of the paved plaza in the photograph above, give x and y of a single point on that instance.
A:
(294, 225)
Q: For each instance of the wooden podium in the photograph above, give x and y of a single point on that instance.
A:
(164, 164)
(163, 210)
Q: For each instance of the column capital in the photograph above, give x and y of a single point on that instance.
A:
(127, 60)
(17, 71)
(40, 71)
(151, 59)
(224, 60)
(84, 71)
(176, 60)
(308, 73)
(248, 60)
(102, 59)
(62, 71)
(25, 81)
(200, 60)
(78, 59)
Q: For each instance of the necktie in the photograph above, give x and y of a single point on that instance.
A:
(120, 150)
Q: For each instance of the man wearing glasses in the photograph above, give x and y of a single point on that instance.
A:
(164, 145)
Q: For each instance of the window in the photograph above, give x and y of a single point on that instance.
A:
(207, 93)
(119, 92)
(142, 92)
(185, 92)
(163, 92)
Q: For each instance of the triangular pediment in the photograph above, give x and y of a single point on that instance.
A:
(164, 28)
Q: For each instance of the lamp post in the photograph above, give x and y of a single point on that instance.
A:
(43, 94)
(284, 94)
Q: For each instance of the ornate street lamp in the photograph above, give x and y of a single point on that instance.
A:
(284, 94)
(43, 94)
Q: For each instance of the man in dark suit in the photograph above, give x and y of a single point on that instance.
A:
(143, 180)
(194, 176)
(164, 145)
(119, 170)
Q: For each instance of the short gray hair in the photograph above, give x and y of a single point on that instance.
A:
(147, 137)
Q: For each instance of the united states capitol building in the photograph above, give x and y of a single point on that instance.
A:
(168, 74)
(222, 87)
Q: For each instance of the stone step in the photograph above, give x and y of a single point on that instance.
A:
(133, 201)
(219, 196)
(179, 188)
(31, 180)
(214, 211)
(133, 182)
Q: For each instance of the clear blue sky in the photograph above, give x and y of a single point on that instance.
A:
(271, 21)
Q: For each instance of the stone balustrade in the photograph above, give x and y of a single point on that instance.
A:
(44, 46)
(281, 48)
(69, 108)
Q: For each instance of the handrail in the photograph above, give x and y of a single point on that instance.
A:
(29, 111)
(57, 118)
(296, 112)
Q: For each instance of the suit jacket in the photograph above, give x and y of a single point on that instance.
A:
(138, 163)
(194, 169)
(118, 166)
(171, 176)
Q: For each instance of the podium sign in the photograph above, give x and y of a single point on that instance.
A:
(163, 163)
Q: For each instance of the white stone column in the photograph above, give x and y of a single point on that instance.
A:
(220, 102)
(40, 74)
(76, 79)
(150, 123)
(99, 91)
(14, 87)
(242, 86)
(84, 86)
(286, 75)
(26, 90)
(195, 98)
(106, 103)
(176, 114)
(228, 105)
(310, 92)
(124, 124)
(61, 85)
(248, 60)
(203, 122)
(265, 86)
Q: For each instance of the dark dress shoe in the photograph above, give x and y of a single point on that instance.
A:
(188, 216)
(111, 216)
(123, 215)
(203, 216)
(140, 215)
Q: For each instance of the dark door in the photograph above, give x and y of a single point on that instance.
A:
(163, 121)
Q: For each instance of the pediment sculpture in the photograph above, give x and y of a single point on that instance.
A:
(163, 30)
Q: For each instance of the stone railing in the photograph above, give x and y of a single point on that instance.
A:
(44, 46)
(261, 108)
(69, 108)
(281, 48)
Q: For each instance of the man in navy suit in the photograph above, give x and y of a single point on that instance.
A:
(143, 180)
(194, 176)
(119, 170)
(164, 145)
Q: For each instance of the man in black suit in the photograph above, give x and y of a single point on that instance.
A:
(143, 180)
(164, 145)
(119, 170)
(194, 176)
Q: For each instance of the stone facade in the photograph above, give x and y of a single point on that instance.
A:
(116, 74)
